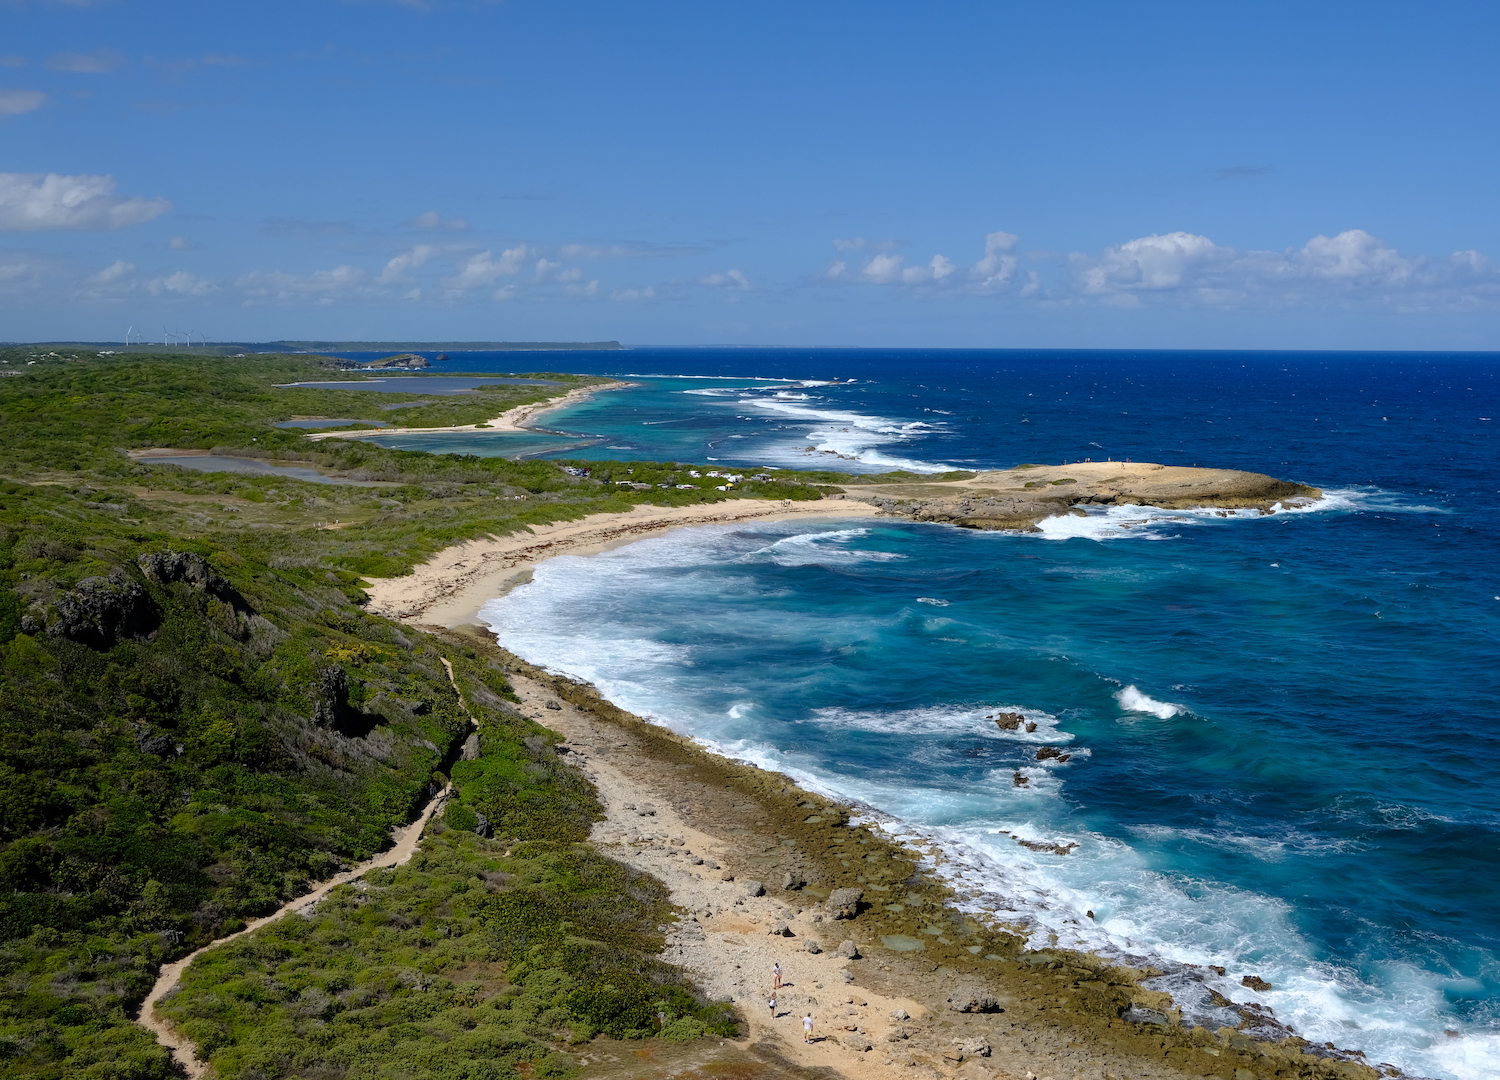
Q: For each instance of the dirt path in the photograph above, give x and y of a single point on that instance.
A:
(406, 840)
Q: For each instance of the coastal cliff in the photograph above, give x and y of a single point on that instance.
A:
(1019, 498)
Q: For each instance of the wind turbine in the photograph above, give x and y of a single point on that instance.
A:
(128, 333)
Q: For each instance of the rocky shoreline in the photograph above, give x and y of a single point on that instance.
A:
(900, 980)
(1021, 498)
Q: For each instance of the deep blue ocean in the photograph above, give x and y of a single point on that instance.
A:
(1285, 750)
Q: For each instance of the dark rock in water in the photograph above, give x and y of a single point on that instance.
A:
(1255, 982)
(1030, 726)
(1019, 780)
(1048, 846)
(1217, 970)
(440, 356)
(1008, 721)
(1219, 999)
(1046, 752)
(404, 360)
(483, 827)
(101, 611)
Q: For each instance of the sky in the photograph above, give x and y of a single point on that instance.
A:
(1317, 174)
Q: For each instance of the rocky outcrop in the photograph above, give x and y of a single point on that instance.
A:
(102, 611)
(846, 903)
(1019, 498)
(973, 999)
(404, 360)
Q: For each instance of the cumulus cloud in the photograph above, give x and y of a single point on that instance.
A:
(407, 260)
(113, 273)
(484, 269)
(324, 286)
(98, 62)
(648, 293)
(730, 279)
(17, 102)
(433, 220)
(991, 273)
(181, 284)
(1352, 268)
(34, 202)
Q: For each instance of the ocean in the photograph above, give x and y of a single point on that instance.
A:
(1282, 737)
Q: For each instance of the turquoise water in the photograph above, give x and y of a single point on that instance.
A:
(1283, 737)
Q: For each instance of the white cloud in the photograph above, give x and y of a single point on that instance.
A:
(98, 62)
(17, 102)
(1351, 268)
(180, 243)
(113, 273)
(324, 285)
(182, 283)
(591, 289)
(433, 220)
(37, 201)
(730, 279)
(993, 272)
(838, 270)
(882, 269)
(408, 260)
(648, 293)
(12, 272)
(483, 269)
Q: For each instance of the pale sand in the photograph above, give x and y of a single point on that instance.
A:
(723, 937)
(450, 588)
(511, 421)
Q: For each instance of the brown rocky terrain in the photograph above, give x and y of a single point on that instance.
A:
(1021, 497)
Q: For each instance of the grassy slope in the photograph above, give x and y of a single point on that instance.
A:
(185, 744)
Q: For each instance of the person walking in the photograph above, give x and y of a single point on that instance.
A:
(772, 1003)
(807, 1028)
(775, 976)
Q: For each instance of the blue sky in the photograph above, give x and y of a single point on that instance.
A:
(1268, 175)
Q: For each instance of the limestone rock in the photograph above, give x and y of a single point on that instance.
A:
(973, 1046)
(470, 751)
(1255, 982)
(973, 999)
(754, 888)
(848, 950)
(791, 881)
(897, 1015)
(780, 929)
(858, 1041)
(846, 902)
(811, 945)
(101, 611)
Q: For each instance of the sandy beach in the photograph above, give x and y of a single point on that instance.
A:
(899, 983)
(512, 421)
(450, 588)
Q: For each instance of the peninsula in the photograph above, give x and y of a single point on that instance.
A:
(1022, 497)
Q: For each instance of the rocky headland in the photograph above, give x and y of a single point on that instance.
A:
(1019, 498)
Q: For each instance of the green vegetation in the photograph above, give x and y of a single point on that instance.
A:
(197, 718)
(477, 956)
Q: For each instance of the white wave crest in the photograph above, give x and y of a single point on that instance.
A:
(814, 548)
(1132, 700)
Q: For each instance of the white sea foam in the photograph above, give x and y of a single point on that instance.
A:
(820, 548)
(1132, 700)
(581, 616)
